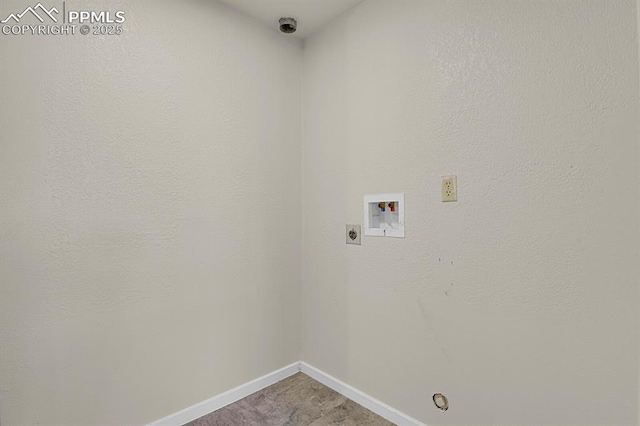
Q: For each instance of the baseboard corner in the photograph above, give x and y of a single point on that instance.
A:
(367, 401)
(215, 403)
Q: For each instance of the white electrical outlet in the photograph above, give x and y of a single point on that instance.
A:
(449, 189)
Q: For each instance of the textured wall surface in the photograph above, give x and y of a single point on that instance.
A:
(519, 302)
(150, 221)
(150, 193)
(638, 42)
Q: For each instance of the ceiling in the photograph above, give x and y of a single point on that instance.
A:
(310, 14)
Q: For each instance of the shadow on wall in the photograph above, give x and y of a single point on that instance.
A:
(326, 256)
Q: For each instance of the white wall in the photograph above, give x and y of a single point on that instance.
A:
(520, 301)
(638, 42)
(150, 193)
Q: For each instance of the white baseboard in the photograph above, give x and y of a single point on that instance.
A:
(367, 401)
(235, 394)
(226, 398)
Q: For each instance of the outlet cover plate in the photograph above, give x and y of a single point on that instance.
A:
(449, 189)
(353, 234)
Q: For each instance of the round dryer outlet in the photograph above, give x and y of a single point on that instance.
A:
(353, 234)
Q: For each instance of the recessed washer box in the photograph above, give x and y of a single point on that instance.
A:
(384, 215)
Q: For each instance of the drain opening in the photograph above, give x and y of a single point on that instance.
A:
(441, 401)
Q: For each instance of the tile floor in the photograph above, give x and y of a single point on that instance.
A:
(297, 400)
